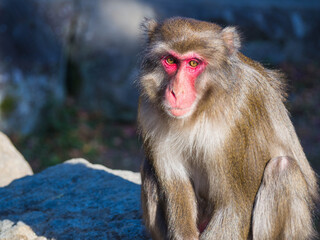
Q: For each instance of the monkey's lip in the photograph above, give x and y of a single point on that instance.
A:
(179, 112)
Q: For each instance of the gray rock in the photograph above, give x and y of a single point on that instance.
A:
(12, 163)
(74, 200)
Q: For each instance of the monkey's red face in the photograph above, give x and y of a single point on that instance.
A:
(183, 71)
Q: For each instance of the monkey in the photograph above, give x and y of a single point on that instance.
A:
(222, 158)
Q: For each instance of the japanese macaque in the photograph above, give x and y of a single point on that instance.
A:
(223, 160)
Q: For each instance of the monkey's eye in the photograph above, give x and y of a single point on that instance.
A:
(193, 63)
(170, 60)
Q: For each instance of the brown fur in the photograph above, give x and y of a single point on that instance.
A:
(222, 164)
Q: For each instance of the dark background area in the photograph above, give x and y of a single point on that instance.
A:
(67, 69)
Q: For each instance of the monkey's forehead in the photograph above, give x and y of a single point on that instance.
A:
(180, 24)
(185, 34)
(187, 27)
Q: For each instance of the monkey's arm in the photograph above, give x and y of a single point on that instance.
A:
(153, 214)
(169, 207)
(230, 221)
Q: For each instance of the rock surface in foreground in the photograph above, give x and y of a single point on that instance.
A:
(12, 163)
(74, 200)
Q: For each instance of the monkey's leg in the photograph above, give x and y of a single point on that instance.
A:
(153, 214)
(283, 203)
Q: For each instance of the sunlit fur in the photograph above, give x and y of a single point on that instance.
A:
(216, 155)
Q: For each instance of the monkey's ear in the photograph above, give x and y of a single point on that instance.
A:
(231, 39)
(149, 27)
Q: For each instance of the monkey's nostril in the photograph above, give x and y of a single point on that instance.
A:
(173, 94)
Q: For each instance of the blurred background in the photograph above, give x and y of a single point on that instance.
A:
(67, 70)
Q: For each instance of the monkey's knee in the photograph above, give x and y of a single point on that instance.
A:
(279, 167)
(283, 204)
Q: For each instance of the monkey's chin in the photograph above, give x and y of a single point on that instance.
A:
(180, 112)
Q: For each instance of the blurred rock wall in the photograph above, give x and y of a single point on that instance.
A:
(30, 65)
(89, 49)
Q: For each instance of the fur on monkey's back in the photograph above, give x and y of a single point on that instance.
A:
(243, 102)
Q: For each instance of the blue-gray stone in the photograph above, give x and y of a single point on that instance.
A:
(74, 200)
